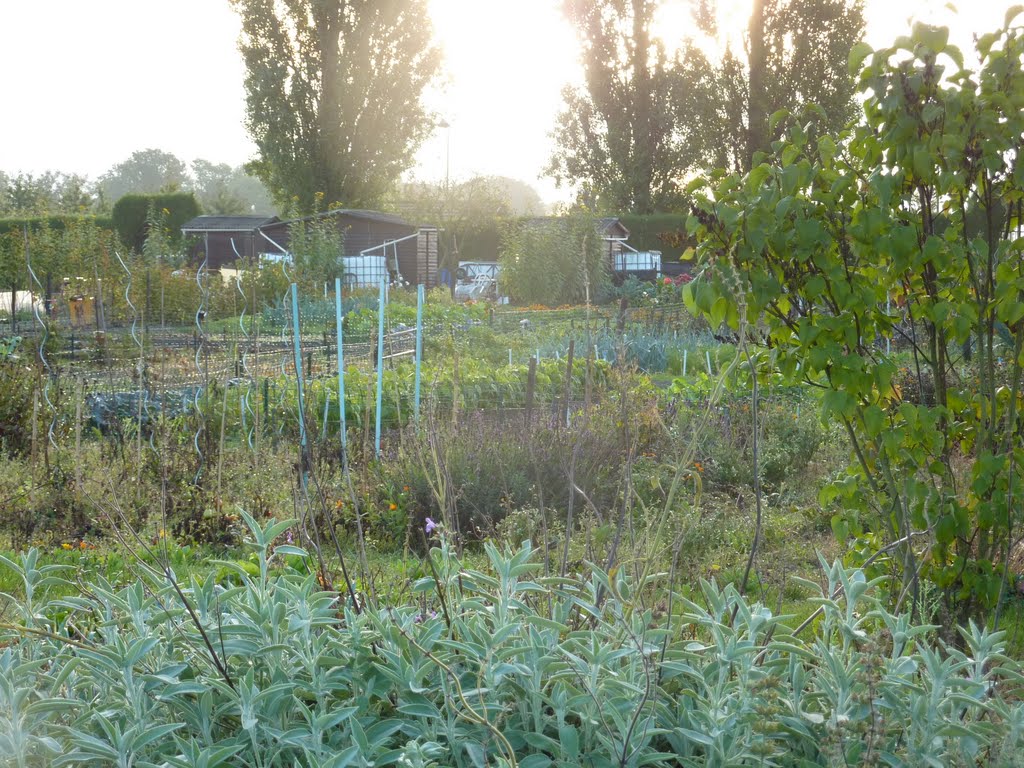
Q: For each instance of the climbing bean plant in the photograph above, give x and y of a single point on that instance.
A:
(903, 233)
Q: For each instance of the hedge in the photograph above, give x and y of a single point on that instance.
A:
(129, 214)
(54, 222)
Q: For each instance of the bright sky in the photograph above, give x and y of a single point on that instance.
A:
(87, 83)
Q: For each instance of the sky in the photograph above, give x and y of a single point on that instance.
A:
(86, 84)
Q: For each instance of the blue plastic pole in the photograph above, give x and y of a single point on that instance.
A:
(298, 366)
(341, 364)
(419, 350)
(380, 360)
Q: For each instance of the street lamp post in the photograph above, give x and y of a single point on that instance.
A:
(447, 149)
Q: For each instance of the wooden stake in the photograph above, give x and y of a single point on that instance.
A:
(35, 422)
(78, 441)
(531, 385)
(568, 378)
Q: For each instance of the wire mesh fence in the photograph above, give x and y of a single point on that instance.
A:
(246, 366)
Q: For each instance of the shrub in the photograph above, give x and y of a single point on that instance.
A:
(16, 385)
(554, 262)
(498, 667)
(131, 213)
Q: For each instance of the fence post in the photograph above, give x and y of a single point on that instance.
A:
(587, 391)
(380, 362)
(568, 378)
(531, 385)
(35, 422)
(266, 400)
(341, 365)
(420, 297)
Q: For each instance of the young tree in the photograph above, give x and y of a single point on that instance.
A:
(317, 245)
(868, 268)
(333, 93)
(12, 273)
(619, 142)
(555, 261)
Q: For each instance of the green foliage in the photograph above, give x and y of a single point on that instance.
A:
(17, 225)
(131, 212)
(554, 262)
(789, 435)
(905, 229)
(317, 246)
(15, 401)
(51, 192)
(333, 96)
(665, 232)
(145, 172)
(501, 666)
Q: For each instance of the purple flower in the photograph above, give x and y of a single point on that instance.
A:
(430, 526)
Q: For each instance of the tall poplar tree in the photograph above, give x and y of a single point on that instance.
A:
(617, 140)
(794, 54)
(645, 121)
(333, 91)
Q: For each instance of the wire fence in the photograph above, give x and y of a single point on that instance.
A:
(247, 367)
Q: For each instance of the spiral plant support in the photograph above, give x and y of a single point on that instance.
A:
(200, 349)
(141, 367)
(50, 373)
(248, 424)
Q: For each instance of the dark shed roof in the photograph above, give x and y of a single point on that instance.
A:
(226, 223)
(386, 218)
(612, 222)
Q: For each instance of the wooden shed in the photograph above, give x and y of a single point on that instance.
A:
(410, 251)
(224, 239)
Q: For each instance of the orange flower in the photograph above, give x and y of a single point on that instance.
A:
(82, 545)
(392, 506)
(405, 487)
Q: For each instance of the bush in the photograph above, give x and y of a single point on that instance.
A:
(16, 384)
(130, 215)
(554, 262)
(498, 667)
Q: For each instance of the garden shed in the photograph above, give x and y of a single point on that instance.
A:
(224, 238)
(410, 251)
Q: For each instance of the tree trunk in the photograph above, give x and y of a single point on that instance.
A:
(329, 110)
(757, 117)
(642, 172)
